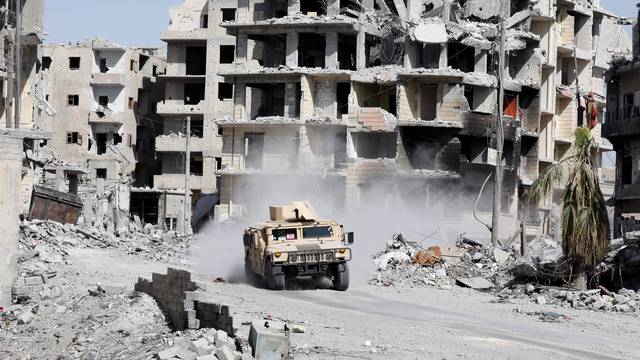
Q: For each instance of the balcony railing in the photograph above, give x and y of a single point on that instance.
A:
(622, 122)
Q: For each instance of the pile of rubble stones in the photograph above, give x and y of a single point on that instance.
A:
(50, 241)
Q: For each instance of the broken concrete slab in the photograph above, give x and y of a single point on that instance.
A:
(477, 283)
(500, 256)
(431, 33)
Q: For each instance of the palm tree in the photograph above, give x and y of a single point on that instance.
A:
(585, 223)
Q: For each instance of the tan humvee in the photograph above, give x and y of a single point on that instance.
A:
(295, 242)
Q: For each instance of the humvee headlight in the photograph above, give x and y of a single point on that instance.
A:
(277, 255)
(343, 254)
(280, 257)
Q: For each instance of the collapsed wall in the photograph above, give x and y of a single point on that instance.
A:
(186, 309)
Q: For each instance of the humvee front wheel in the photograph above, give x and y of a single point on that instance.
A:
(275, 278)
(341, 277)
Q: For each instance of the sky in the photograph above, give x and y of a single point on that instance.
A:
(139, 22)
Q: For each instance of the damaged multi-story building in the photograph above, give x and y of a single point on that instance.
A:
(622, 128)
(392, 99)
(106, 94)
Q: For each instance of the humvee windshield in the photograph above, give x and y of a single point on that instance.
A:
(284, 234)
(317, 232)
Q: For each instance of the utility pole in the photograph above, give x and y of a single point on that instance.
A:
(18, 62)
(497, 189)
(186, 226)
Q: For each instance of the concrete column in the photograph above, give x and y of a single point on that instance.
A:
(239, 101)
(481, 61)
(242, 47)
(10, 168)
(61, 185)
(292, 49)
(444, 61)
(361, 57)
(410, 54)
(290, 100)
(333, 7)
(293, 6)
(331, 50)
(243, 11)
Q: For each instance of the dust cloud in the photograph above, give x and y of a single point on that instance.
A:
(380, 214)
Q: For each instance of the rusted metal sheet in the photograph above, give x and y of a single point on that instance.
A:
(48, 204)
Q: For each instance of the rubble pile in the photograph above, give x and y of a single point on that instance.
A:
(50, 241)
(625, 300)
(402, 264)
(206, 344)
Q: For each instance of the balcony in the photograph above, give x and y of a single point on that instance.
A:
(178, 144)
(176, 181)
(111, 119)
(176, 107)
(108, 79)
(622, 123)
(196, 35)
(628, 192)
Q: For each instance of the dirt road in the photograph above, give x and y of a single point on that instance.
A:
(402, 323)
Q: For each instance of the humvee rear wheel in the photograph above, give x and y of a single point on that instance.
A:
(341, 277)
(275, 277)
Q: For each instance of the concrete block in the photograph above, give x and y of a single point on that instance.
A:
(167, 354)
(221, 338)
(202, 347)
(25, 317)
(224, 353)
(185, 354)
(207, 357)
(268, 343)
(33, 281)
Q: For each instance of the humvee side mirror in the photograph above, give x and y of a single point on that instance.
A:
(350, 238)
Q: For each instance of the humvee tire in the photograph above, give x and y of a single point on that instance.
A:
(275, 278)
(341, 277)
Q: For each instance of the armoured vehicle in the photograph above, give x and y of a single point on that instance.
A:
(295, 242)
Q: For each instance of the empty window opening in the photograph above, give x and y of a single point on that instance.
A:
(347, 52)
(225, 91)
(101, 143)
(342, 97)
(227, 54)
(429, 102)
(628, 105)
(375, 145)
(154, 72)
(510, 105)
(131, 103)
(197, 128)
(101, 173)
(313, 7)
(143, 62)
(145, 206)
(103, 66)
(267, 100)
(426, 149)
(270, 51)
(218, 163)
(74, 138)
(480, 99)
(196, 60)
(132, 65)
(46, 62)
(196, 165)
(204, 21)
(253, 150)
(311, 50)
(193, 93)
(74, 63)
(461, 57)
(228, 14)
(103, 101)
(117, 139)
(429, 55)
(376, 96)
(73, 100)
(627, 169)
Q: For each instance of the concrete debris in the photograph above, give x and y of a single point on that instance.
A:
(477, 283)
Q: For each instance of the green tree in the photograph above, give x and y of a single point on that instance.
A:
(585, 222)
